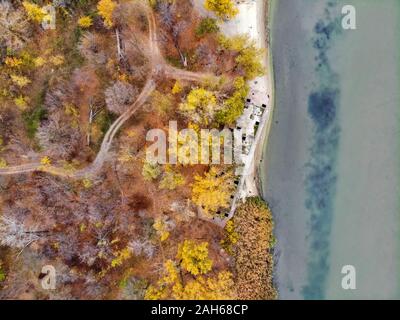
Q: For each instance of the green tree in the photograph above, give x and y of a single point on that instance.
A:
(207, 25)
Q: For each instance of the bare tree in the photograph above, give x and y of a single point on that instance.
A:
(94, 110)
(14, 27)
(120, 50)
(119, 96)
(167, 19)
(174, 27)
(141, 246)
(177, 29)
(57, 95)
(58, 137)
(90, 47)
(15, 234)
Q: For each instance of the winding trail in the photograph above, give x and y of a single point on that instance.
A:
(158, 65)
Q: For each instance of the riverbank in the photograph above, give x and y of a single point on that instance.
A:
(331, 172)
(267, 20)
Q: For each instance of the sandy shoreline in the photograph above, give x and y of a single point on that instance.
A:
(264, 21)
(253, 19)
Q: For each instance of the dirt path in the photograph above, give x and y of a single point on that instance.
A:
(158, 64)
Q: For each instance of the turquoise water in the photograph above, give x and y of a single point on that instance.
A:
(331, 165)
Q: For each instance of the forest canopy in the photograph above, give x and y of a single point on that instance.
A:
(76, 189)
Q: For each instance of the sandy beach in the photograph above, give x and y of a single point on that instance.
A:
(253, 20)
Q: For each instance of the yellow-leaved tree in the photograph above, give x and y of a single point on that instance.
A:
(35, 13)
(200, 106)
(213, 190)
(177, 88)
(224, 9)
(106, 9)
(248, 56)
(180, 285)
(194, 257)
(234, 105)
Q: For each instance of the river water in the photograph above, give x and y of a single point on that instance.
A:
(331, 165)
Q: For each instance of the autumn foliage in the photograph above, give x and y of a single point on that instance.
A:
(192, 258)
(222, 8)
(212, 191)
(106, 9)
(254, 240)
(76, 104)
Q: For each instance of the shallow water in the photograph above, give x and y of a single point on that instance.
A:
(331, 165)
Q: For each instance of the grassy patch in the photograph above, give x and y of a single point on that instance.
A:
(32, 120)
(105, 120)
(176, 62)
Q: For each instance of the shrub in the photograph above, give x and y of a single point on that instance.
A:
(150, 171)
(85, 22)
(119, 96)
(2, 273)
(20, 81)
(34, 12)
(3, 163)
